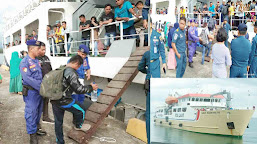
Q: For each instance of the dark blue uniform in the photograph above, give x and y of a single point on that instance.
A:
(156, 50)
(240, 51)
(179, 38)
(143, 67)
(253, 59)
(32, 76)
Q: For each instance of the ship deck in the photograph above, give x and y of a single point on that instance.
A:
(13, 127)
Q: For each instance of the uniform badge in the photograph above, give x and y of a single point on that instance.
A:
(85, 63)
(32, 66)
(175, 36)
(25, 69)
(37, 43)
(82, 50)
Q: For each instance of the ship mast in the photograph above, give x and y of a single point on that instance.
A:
(228, 98)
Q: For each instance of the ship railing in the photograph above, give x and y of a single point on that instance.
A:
(200, 17)
(247, 17)
(93, 50)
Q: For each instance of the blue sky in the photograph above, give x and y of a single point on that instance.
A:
(244, 91)
(9, 8)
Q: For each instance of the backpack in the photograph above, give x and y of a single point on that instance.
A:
(211, 24)
(224, 10)
(51, 86)
(204, 38)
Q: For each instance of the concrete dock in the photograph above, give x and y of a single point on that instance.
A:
(13, 126)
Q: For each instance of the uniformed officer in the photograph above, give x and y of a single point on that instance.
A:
(156, 50)
(179, 46)
(192, 42)
(253, 56)
(83, 69)
(143, 67)
(227, 27)
(240, 51)
(32, 77)
(46, 68)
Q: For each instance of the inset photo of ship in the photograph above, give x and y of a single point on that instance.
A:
(200, 111)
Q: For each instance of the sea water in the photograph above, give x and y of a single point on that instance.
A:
(167, 135)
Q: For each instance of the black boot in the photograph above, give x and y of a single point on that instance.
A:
(40, 132)
(33, 139)
(191, 65)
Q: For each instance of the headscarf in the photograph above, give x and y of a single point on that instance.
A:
(14, 65)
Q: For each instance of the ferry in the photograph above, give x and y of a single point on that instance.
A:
(38, 14)
(204, 113)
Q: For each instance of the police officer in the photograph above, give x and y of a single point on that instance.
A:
(46, 68)
(156, 50)
(179, 46)
(83, 69)
(32, 77)
(227, 27)
(192, 42)
(240, 51)
(143, 67)
(253, 56)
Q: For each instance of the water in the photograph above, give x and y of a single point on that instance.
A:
(165, 135)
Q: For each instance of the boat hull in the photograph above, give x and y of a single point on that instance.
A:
(213, 122)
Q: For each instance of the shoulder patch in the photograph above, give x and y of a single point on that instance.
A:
(24, 69)
(177, 30)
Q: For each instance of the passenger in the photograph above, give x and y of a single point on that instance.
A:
(110, 30)
(143, 67)
(85, 24)
(60, 37)
(51, 40)
(124, 12)
(32, 78)
(220, 56)
(26, 37)
(227, 27)
(45, 67)
(139, 24)
(15, 75)
(82, 70)
(34, 35)
(66, 30)
(67, 103)
(94, 23)
(240, 52)
(253, 56)
(179, 46)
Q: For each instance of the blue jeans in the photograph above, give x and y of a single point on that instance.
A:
(238, 72)
(86, 42)
(96, 48)
(109, 38)
(69, 44)
(129, 31)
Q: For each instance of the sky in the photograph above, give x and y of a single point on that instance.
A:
(244, 91)
(8, 8)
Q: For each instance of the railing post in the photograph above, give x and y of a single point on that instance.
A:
(220, 18)
(92, 42)
(52, 46)
(121, 30)
(65, 42)
(231, 21)
(199, 19)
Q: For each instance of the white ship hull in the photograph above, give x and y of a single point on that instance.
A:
(212, 122)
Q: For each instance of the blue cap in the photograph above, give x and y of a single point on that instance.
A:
(83, 48)
(33, 43)
(242, 27)
(57, 22)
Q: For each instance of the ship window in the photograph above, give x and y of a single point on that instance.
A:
(216, 100)
(179, 109)
(201, 99)
(197, 99)
(219, 100)
(193, 99)
(189, 99)
(184, 109)
(206, 100)
(174, 110)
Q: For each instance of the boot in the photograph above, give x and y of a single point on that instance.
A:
(191, 65)
(33, 139)
(40, 132)
(85, 127)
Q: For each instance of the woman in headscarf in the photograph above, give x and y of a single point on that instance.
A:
(171, 57)
(15, 75)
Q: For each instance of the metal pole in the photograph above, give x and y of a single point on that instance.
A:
(231, 21)
(121, 30)
(199, 19)
(65, 42)
(92, 42)
(220, 18)
(53, 46)
(149, 30)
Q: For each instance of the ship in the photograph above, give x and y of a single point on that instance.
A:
(204, 113)
(38, 14)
